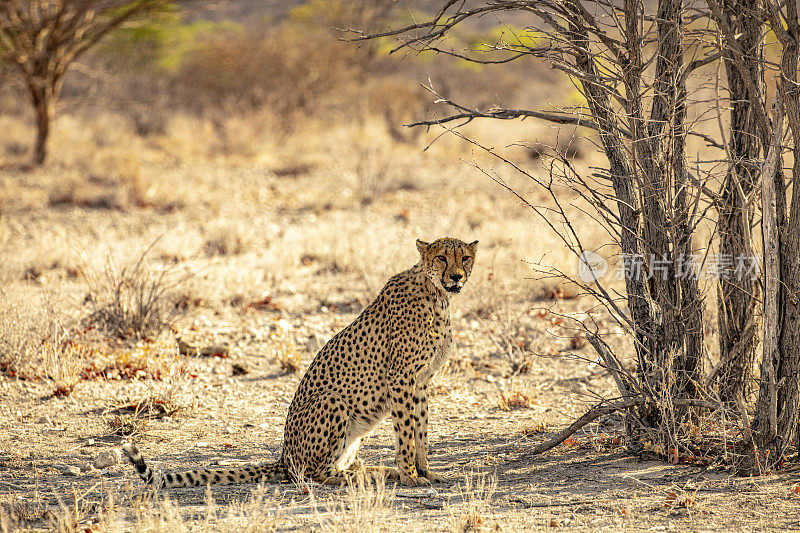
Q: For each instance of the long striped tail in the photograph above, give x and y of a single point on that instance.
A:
(263, 473)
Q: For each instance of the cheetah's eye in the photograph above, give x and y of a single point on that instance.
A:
(441, 258)
(465, 259)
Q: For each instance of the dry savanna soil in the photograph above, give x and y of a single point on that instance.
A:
(263, 257)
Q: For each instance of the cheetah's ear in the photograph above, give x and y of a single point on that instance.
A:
(422, 246)
(472, 246)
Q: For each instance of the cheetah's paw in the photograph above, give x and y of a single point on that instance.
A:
(416, 481)
(433, 477)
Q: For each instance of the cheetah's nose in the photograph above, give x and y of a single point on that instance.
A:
(456, 277)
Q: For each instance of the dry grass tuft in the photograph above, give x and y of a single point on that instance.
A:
(91, 361)
(261, 511)
(15, 514)
(366, 503)
(130, 417)
(472, 515)
(282, 347)
(137, 301)
(39, 346)
(126, 425)
(36, 344)
(149, 407)
(535, 428)
(288, 356)
(78, 514)
(678, 497)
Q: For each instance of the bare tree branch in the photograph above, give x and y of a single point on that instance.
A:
(588, 417)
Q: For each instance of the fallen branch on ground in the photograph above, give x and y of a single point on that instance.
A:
(606, 409)
(593, 414)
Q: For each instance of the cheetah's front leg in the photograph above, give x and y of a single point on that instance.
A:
(421, 411)
(421, 435)
(401, 395)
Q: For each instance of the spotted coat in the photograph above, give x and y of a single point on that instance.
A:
(379, 365)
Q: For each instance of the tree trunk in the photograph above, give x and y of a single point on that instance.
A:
(737, 292)
(765, 424)
(787, 371)
(776, 417)
(667, 234)
(655, 227)
(43, 106)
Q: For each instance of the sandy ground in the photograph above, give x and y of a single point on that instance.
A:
(497, 484)
(284, 251)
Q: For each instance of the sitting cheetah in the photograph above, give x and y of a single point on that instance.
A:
(379, 364)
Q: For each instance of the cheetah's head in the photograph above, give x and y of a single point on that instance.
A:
(447, 262)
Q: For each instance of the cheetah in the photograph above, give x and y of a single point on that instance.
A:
(378, 365)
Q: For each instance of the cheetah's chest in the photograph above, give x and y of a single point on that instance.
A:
(438, 327)
(435, 343)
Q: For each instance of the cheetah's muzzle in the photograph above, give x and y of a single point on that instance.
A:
(454, 282)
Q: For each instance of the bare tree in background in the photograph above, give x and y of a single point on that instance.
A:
(41, 39)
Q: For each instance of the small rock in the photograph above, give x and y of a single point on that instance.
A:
(106, 459)
(46, 420)
(238, 369)
(580, 388)
(430, 492)
(68, 470)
